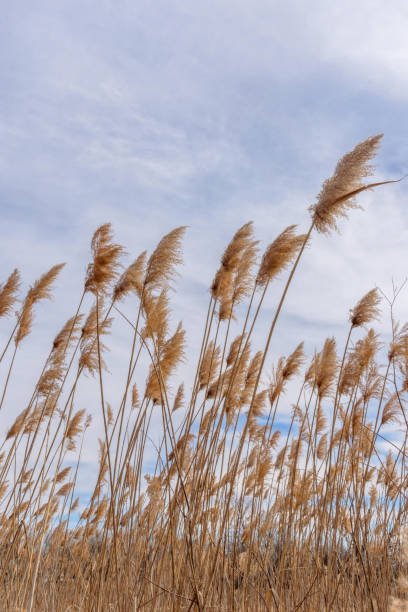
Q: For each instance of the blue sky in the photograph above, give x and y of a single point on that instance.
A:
(208, 114)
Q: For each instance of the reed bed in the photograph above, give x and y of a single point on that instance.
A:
(239, 512)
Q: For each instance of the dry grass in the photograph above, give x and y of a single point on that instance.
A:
(236, 515)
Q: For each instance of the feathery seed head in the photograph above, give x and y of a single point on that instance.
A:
(68, 333)
(160, 269)
(8, 293)
(233, 278)
(209, 365)
(172, 353)
(366, 309)
(103, 269)
(156, 313)
(293, 363)
(279, 254)
(337, 195)
(63, 474)
(39, 291)
(327, 368)
(178, 400)
(132, 279)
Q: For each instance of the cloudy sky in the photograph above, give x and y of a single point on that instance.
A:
(208, 114)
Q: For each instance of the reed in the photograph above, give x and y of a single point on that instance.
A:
(239, 511)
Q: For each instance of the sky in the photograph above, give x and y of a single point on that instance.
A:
(205, 114)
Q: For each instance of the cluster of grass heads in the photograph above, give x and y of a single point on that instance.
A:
(236, 515)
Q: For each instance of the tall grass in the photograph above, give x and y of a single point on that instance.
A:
(235, 514)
